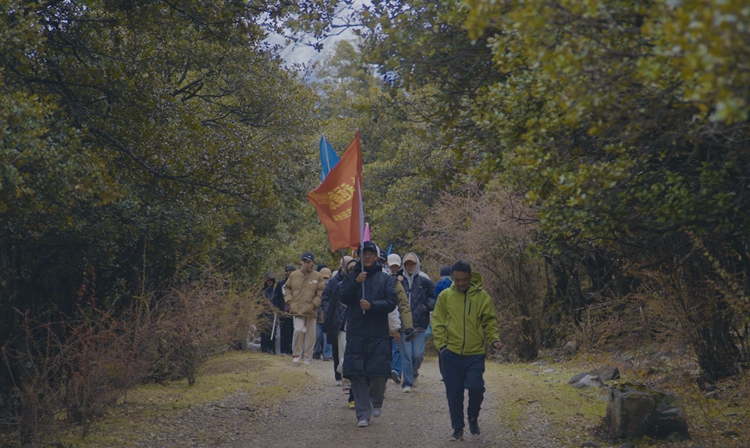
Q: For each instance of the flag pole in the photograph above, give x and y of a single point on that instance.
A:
(328, 161)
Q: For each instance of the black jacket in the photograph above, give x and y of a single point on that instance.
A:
(278, 295)
(421, 298)
(336, 318)
(368, 344)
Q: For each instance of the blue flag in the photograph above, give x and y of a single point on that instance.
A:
(328, 157)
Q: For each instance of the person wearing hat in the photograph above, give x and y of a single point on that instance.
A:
(404, 310)
(421, 293)
(464, 324)
(284, 340)
(369, 295)
(302, 293)
(394, 263)
(322, 347)
(266, 338)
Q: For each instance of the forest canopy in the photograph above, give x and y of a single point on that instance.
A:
(596, 148)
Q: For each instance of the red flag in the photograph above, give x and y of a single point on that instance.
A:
(338, 199)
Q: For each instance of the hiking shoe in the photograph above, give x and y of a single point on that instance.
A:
(376, 412)
(406, 389)
(458, 435)
(395, 377)
(363, 423)
(295, 359)
(351, 405)
(474, 426)
(307, 362)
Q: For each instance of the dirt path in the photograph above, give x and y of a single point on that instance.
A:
(319, 416)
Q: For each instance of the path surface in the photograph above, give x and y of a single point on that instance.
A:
(320, 417)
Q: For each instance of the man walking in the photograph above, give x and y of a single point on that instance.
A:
(267, 337)
(302, 292)
(285, 324)
(322, 347)
(369, 294)
(335, 317)
(462, 345)
(420, 291)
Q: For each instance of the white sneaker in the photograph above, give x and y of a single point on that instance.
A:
(295, 359)
(307, 362)
(338, 382)
(376, 412)
(363, 423)
(406, 389)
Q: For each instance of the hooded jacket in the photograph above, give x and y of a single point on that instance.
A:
(368, 346)
(421, 294)
(303, 293)
(465, 323)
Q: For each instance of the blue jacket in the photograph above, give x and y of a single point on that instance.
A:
(442, 285)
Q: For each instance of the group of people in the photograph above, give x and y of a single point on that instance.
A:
(375, 312)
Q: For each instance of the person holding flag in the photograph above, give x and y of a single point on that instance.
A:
(369, 294)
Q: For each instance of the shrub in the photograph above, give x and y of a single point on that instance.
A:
(493, 231)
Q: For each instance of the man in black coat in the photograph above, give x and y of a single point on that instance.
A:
(369, 295)
(335, 315)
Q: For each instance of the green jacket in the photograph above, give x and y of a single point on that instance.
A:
(465, 323)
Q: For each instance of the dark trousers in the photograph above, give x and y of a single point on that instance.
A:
(266, 342)
(336, 357)
(368, 394)
(459, 373)
(287, 332)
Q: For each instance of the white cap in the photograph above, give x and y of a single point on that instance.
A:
(394, 259)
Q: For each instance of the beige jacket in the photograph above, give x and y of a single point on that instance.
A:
(404, 310)
(303, 293)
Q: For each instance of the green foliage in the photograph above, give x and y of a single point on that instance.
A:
(140, 141)
(620, 117)
(404, 166)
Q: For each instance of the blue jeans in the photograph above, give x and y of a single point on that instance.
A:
(395, 357)
(412, 355)
(459, 373)
(321, 346)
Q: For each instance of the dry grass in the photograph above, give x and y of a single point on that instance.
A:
(574, 413)
(148, 408)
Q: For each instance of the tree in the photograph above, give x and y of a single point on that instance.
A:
(140, 141)
(621, 123)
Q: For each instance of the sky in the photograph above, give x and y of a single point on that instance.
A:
(303, 53)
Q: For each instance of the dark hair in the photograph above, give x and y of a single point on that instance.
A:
(321, 266)
(461, 266)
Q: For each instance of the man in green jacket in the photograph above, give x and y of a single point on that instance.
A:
(463, 324)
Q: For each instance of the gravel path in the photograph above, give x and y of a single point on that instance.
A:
(318, 416)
